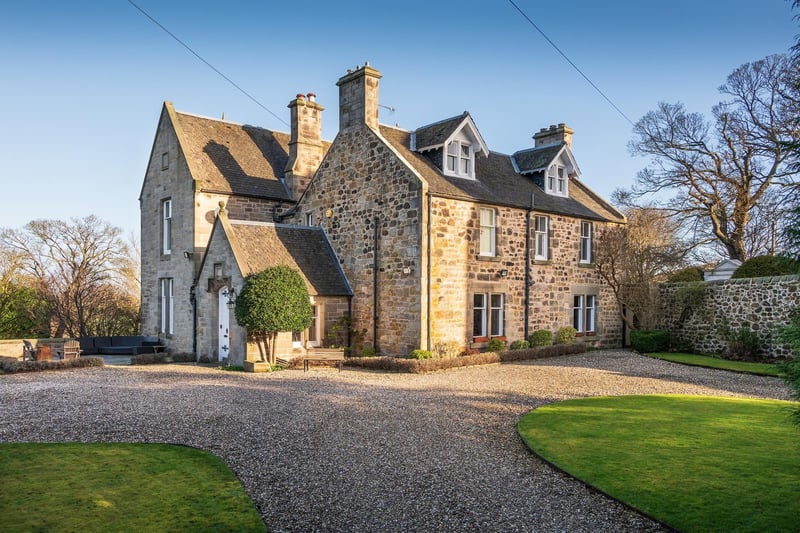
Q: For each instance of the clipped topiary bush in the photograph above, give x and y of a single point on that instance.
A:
(421, 354)
(496, 345)
(765, 266)
(520, 345)
(686, 274)
(542, 337)
(567, 335)
(650, 340)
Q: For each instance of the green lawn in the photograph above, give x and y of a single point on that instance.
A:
(695, 463)
(761, 369)
(119, 487)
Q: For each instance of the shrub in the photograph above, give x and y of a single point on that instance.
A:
(520, 345)
(790, 334)
(567, 335)
(421, 354)
(650, 340)
(368, 351)
(686, 274)
(542, 337)
(496, 345)
(742, 343)
(765, 266)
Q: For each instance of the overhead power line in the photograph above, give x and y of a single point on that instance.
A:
(212, 67)
(579, 71)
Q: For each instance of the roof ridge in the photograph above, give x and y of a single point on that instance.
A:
(230, 122)
(462, 115)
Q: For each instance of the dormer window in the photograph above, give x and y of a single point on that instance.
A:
(556, 182)
(459, 159)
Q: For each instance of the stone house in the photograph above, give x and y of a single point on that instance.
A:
(442, 243)
(238, 248)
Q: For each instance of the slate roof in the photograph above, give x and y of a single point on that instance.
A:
(497, 182)
(231, 158)
(437, 133)
(260, 245)
(535, 159)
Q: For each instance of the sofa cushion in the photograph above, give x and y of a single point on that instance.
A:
(127, 340)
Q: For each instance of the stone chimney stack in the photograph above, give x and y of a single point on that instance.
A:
(358, 98)
(305, 144)
(553, 135)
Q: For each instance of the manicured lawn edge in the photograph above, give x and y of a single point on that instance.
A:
(128, 486)
(696, 463)
(706, 361)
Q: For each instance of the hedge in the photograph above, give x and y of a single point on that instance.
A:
(650, 340)
(415, 366)
(12, 366)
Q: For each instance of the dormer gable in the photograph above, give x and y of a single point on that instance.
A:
(458, 141)
(551, 167)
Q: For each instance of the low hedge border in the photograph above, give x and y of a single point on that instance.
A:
(416, 366)
(12, 367)
(162, 358)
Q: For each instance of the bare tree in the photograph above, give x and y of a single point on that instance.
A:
(632, 257)
(720, 171)
(75, 265)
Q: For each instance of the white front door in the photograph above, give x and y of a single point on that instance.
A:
(224, 345)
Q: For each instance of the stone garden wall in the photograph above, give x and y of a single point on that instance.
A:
(699, 314)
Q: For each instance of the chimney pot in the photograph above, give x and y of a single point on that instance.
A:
(554, 135)
(301, 96)
(311, 97)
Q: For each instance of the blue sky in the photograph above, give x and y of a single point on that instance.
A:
(83, 81)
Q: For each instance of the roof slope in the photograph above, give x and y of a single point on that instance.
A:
(231, 158)
(437, 133)
(260, 245)
(497, 182)
(534, 159)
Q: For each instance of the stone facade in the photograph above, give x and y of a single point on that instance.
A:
(413, 258)
(458, 271)
(168, 178)
(699, 313)
(369, 202)
(221, 271)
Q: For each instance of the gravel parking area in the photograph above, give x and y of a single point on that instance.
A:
(361, 450)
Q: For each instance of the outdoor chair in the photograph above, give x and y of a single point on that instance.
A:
(28, 351)
(72, 350)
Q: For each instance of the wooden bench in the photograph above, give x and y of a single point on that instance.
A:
(324, 355)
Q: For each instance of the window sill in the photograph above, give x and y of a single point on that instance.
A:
(542, 262)
(585, 265)
(484, 340)
(491, 258)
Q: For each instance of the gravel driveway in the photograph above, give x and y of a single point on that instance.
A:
(361, 450)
